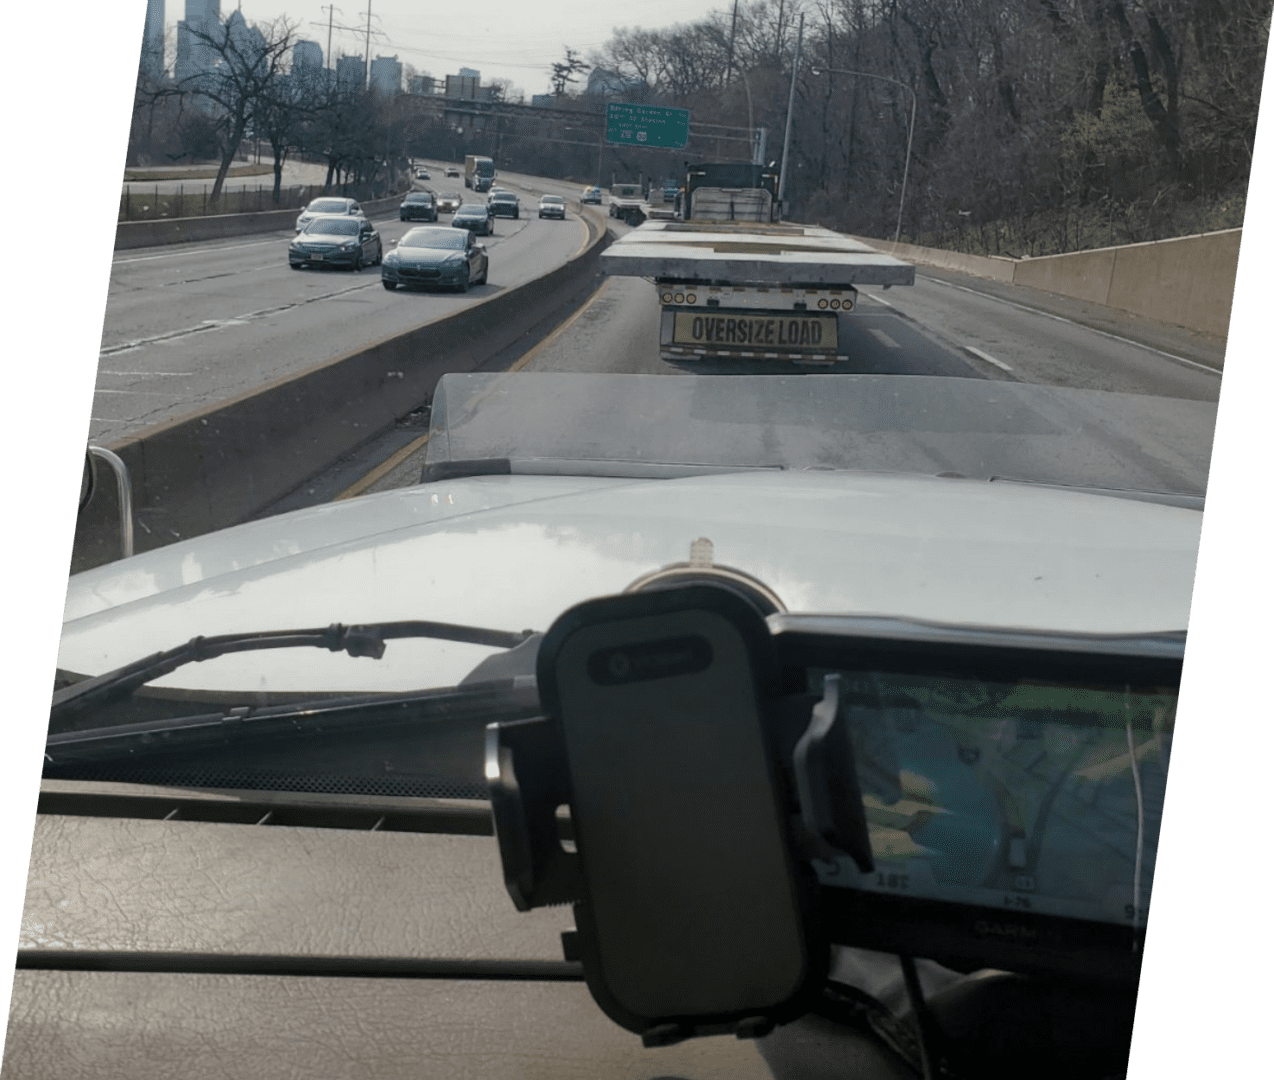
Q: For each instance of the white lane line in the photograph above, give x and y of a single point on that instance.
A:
(884, 339)
(878, 299)
(1060, 318)
(237, 320)
(181, 374)
(988, 358)
(190, 248)
(147, 393)
(187, 253)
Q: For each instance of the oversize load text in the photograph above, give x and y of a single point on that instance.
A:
(808, 332)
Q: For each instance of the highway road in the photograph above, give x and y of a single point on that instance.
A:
(190, 325)
(946, 324)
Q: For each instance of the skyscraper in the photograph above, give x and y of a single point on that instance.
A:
(194, 55)
(351, 73)
(387, 75)
(152, 59)
(307, 56)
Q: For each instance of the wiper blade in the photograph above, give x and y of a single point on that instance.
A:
(367, 639)
(498, 699)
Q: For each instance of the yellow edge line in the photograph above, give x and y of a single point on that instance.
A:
(526, 358)
(396, 459)
(392, 462)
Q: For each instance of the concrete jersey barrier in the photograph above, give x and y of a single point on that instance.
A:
(138, 234)
(1186, 281)
(221, 465)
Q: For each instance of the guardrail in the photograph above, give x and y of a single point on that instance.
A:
(137, 234)
(1187, 281)
(221, 465)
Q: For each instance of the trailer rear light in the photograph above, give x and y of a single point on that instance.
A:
(690, 298)
(680, 298)
(666, 298)
(822, 303)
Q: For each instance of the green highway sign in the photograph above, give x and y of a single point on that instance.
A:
(647, 125)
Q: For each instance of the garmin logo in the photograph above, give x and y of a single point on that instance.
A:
(1006, 931)
(650, 660)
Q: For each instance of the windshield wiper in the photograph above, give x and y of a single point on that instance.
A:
(362, 640)
(360, 715)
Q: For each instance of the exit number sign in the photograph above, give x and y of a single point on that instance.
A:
(647, 125)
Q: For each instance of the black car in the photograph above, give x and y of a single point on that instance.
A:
(351, 242)
(475, 217)
(437, 257)
(504, 204)
(419, 206)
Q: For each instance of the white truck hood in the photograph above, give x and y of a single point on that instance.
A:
(513, 552)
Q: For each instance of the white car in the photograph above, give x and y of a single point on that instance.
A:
(328, 205)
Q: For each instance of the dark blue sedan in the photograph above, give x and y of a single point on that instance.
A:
(475, 217)
(435, 257)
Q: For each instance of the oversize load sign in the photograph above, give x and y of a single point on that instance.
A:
(812, 332)
(647, 125)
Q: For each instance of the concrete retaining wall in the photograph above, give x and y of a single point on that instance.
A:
(219, 466)
(137, 234)
(1186, 281)
(995, 267)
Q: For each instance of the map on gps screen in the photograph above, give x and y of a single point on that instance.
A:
(1019, 796)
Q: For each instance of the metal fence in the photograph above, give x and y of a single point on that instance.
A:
(138, 202)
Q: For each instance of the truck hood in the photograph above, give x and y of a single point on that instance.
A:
(513, 552)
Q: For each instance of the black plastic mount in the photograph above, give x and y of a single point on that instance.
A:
(529, 780)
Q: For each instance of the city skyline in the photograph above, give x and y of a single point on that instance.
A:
(506, 39)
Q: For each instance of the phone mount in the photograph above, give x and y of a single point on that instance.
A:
(695, 906)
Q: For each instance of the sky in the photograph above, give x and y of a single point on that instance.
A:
(512, 39)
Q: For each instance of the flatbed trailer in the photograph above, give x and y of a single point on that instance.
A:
(752, 290)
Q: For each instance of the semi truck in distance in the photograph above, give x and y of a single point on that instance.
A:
(479, 173)
(734, 283)
(626, 201)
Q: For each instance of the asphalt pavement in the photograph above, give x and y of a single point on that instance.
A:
(946, 324)
(190, 325)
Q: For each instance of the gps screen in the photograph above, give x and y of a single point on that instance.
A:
(1023, 796)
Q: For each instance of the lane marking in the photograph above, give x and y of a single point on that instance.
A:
(527, 357)
(235, 320)
(1060, 318)
(201, 247)
(389, 464)
(878, 299)
(182, 374)
(188, 252)
(148, 393)
(884, 339)
(987, 357)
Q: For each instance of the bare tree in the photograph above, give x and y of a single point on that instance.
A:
(566, 71)
(245, 76)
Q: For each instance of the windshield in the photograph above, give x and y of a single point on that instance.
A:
(434, 238)
(334, 226)
(907, 314)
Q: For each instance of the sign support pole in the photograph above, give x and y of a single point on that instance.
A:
(791, 100)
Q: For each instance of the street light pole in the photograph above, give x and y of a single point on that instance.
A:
(791, 100)
(911, 127)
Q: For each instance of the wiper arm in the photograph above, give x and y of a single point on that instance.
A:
(362, 640)
(513, 698)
